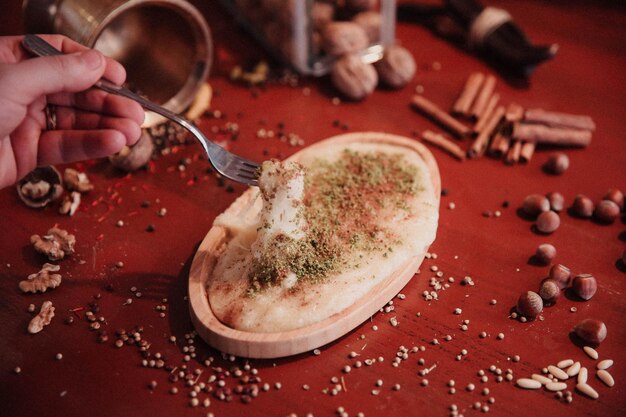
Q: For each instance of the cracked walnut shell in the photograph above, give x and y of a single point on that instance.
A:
(56, 244)
(42, 280)
(40, 186)
(42, 319)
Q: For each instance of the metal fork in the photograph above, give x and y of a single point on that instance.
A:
(227, 164)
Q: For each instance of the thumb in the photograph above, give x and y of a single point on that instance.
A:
(70, 73)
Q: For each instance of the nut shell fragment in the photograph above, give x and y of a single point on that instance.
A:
(42, 280)
(42, 319)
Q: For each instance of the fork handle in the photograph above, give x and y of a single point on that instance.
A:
(39, 47)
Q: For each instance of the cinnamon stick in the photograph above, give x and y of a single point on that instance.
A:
(495, 146)
(514, 113)
(482, 120)
(504, 145)
(486, 90)
(512, 156)
(551, 135)
(462, 105)
(556, 119)
(434, 112)
(480, 143)
(527, 151)
(444, 143)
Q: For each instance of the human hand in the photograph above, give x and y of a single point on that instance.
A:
(90, 123)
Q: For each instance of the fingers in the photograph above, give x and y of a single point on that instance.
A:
(101, 102)
(72, 119)
(28, 80)
(60, 146)
(114, 71)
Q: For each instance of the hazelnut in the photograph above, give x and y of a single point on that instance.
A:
(557, 163)
(591, 331)
(397, 66)
(353, 77)
(583, 206)
(132, 158)
(561, 274)
(616, 196)
(534, 204)
(585, 286)
(343, 38)
(545, 253)
(557, 201)
(606, 211)
(550, 291)
(529, 304)
(548, 222)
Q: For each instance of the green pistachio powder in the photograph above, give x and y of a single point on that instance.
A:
(343, 204)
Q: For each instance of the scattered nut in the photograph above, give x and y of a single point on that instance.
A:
(353, 77)
(40, 186)
(548, 222)
(591, 331)
(397, 66)
(606, 211)
(561, 274)
(55, 245)
(616, 196)
(132, 158)
(42, 319)
(70, 203)
(529, 304)
(585, 286)
(545, 253)
(549, 291)
(534, 204)
(583, 206)
(557, 201)
(42, 280)
(341, 38)
(557, 163)
(76, 181)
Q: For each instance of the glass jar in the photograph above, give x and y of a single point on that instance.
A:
(294, 30)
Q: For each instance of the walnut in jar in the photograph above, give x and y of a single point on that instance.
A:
(397, 66)
(353, 77)
(343, 37)
(371, 23)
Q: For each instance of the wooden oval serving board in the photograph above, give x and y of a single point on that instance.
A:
(279, 344)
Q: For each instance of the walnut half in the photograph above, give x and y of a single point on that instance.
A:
(42, 280)
(55, 245)
(42, 319)
(40, 187)
(76, 181)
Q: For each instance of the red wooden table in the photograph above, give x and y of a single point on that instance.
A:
(588, 76)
